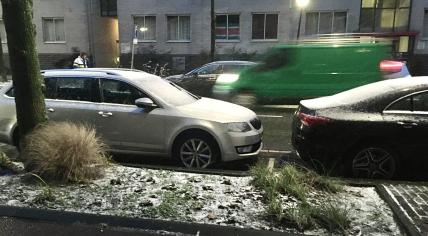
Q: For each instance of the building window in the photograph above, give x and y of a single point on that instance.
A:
(384, 15)
(178, 28)
(227, 27)
(325, 23)
(53, 30)
(265, 26)
(146, 26)
(3, 32)
(425, 29)
(108, 7)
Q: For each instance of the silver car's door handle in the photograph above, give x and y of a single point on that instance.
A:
(105, 114)
(50, 110)
(407, 125)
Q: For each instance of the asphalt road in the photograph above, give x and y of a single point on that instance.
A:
(23, 227)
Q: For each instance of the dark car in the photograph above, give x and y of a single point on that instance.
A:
(201, 80)
(373, 131)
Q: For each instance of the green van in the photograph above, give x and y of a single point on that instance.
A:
(306, 71)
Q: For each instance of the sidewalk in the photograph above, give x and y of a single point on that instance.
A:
(409, 203)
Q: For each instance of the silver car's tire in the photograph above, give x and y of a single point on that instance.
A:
(377, 162)
(245, 99)
(196, 151)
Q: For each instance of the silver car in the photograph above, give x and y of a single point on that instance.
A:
(139, 113)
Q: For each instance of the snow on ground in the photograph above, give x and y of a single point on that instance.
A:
(211, 199)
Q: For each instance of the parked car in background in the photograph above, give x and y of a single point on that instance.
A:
(308, 70)
(136, 112)
(201, 81)
(374, 131)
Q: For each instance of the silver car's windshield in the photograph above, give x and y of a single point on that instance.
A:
(170, 93)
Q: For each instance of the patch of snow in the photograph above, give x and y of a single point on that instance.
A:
(211, 199)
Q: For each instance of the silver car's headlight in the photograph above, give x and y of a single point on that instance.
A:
(238, 127)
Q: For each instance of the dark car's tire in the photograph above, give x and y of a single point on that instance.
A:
(196, 150)
(246, 99)
(373, 162)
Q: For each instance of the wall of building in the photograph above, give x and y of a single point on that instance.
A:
(104, 36)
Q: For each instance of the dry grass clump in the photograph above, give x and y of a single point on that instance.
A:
(64, 152)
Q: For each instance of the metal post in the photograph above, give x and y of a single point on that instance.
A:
(212, 49)
(133, 46)
(300, 22)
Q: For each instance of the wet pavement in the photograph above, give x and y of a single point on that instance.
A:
(23, 227)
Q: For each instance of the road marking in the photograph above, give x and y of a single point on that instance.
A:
(270, 116)
(275, 151)
(281, 106)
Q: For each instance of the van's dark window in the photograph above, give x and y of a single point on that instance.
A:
(78, 89)
(274, 60)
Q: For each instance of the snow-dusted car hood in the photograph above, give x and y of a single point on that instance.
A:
(216, 110)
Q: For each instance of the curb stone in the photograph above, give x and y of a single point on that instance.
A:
(405, 221)
(139, 223)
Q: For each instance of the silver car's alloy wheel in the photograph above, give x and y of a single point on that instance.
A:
(374, 163)
(196, 153)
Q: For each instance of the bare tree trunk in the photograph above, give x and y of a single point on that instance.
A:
(24, 63)
(212, 53)
(2, 67)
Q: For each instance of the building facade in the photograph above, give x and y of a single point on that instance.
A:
(66, 27)
(178, 32)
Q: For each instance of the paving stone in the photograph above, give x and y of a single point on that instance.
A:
(413, 199)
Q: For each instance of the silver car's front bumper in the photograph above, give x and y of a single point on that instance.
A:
(234, 140)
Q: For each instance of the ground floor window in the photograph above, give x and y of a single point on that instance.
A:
(325, 22)
(146, 27)
(53, 30)
(227, 27)
(178, 28)
(265, 26)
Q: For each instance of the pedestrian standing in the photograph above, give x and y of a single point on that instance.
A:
(81, 61)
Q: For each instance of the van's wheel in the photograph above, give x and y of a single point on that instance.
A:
(196, 150)
(373, 162)
(246, 99)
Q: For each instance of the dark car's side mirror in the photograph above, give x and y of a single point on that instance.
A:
(145, 103)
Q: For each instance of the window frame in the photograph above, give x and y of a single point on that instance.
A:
(332, 20)
(101, 92)
(411, 112)
(227, 27)
(424, 35)
(155, 30)
(375, 20)
(3, 39)
(264, 27)
(178, 29)
(94, 90)
(108, 5)
(43, 30)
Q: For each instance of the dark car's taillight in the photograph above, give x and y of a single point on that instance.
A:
(310, 120)
(390, 67)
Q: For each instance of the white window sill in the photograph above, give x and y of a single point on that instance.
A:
(264, 40)
(55, 42)
(228, 41)
(147, 41)
(178, 41)
(423, 39)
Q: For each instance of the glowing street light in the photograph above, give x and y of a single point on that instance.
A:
(135, 41)
(301, 4)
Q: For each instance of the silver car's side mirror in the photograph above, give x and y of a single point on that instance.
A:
(145, 103)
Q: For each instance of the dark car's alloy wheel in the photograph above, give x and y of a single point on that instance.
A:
(196, 153)
(374, 162)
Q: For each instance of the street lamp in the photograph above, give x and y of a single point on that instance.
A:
(301, 4)
(135, 42)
